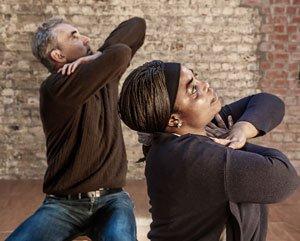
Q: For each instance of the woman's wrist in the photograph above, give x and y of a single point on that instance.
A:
(247, 128)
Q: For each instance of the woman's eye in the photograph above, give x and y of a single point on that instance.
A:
(194, 89)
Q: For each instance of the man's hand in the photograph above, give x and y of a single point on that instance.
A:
(71, 67)
(220, 130)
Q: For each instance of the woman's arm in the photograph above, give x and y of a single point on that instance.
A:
(263, 111)
(258, 174)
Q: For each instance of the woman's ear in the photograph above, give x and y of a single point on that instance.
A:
(174, 121)
(58, 56)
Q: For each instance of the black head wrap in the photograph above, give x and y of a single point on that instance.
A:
(172, 76)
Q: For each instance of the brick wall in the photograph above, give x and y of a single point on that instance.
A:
(238, 46)
(279, 55)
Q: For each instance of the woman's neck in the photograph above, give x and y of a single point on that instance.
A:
(183, 130)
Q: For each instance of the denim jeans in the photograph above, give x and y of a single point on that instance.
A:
(107, 218)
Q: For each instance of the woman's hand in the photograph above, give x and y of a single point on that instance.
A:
(71, 67)
(235, 136)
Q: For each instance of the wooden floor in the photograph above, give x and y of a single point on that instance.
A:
(18, 199)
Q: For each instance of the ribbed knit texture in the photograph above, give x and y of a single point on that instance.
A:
(85, 147)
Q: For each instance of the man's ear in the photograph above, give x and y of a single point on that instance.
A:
(174, 120)
(58, 56)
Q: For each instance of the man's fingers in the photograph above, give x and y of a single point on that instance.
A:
(230, 121)
(220, 121)
(209, 134)
(211, 131)
(212, 125)
(59, 70)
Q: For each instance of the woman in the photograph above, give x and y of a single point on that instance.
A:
(198, 187)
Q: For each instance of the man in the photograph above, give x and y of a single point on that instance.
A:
(85, 149)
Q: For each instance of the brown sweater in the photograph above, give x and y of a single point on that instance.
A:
(85, 147)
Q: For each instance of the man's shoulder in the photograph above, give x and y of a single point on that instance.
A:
(47, 82)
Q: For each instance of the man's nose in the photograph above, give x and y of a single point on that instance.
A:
(85, 39)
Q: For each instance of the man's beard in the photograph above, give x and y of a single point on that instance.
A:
(89, 51)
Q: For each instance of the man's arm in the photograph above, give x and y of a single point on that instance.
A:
(264, 111)
(130, 32)
(258, 174)
(75, 89)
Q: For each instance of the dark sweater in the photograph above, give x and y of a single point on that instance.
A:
(85, 147)
(197, 187)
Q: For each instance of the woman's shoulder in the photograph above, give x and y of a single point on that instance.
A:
(186, 145)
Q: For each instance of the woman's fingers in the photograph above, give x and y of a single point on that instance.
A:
(235, 145)
(223, 142)
(65, 68)
(75, 65)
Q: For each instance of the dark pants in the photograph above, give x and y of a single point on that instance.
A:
(108, 218)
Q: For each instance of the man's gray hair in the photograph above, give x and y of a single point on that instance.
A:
(44, 41)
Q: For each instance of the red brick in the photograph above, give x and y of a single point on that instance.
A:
(279, 65)
(295, 37)
(279, 28)
(280, 83)
(293, 74)
(280, 19)
(293, 67)
(279, 46)
(291, 10)
(296, 56)
(265, 10)
(291, 29)
(281, 38)
(296, 2)
(265, 65)
(296, 20)
(252, 2)
(292, 47)
(279, 91)
(279, 10)
(281, 57)
(276, 74)
(281, 1)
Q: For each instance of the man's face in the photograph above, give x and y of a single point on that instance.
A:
(196, 101)
(71, 43)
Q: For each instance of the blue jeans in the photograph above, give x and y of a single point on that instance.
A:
(107, 218)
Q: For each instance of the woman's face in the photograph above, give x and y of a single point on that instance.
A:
(196, 101)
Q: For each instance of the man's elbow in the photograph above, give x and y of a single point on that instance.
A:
(140, 23)
(122, 55)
